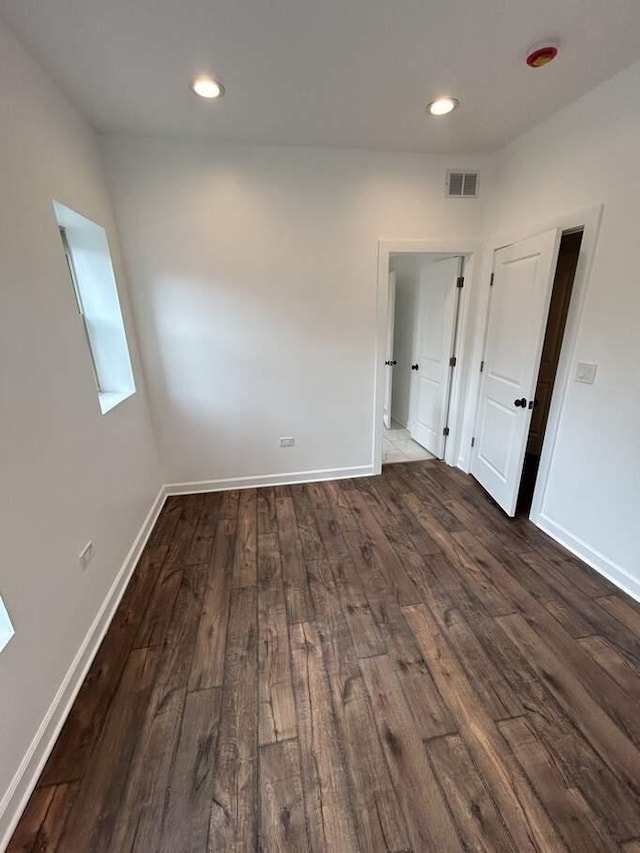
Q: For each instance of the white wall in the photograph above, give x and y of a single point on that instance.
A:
(254, 278)
(407, 268)
(587, 154)
(69, 474)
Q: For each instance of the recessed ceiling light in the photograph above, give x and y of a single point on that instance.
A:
(207, 87)
(442, 106)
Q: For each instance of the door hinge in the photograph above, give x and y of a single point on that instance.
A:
(473, 441)
(481, 366)
(445, 431)
(453, 361)
(491, 280)
(460, 281)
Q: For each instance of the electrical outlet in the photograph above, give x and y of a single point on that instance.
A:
(287, 441)
(86, 555)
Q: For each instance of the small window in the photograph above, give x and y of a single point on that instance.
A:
(91, 272)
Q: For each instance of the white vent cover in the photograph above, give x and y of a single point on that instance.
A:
(462, 184)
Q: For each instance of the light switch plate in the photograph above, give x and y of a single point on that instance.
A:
(586, 373)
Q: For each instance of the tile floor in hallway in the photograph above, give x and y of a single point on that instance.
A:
(398, 446)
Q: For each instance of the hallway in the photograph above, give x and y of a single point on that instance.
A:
(398, 446)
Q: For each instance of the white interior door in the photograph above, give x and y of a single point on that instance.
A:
(435, 331)
(388, 358)
(519, 303)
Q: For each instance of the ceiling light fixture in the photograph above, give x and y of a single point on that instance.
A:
(442, 106)
(207, 87)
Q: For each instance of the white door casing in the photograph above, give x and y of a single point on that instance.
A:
(523, 276)
(388, 384)
(433, 349)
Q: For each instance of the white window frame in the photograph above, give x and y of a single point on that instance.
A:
(88, 260)
(76, 290)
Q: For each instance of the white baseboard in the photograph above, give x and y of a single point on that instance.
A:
(269, 480)
(15, 799)
(616, 574)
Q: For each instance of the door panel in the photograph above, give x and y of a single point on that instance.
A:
(388, 385)
(519, 302)
(437, 305)
(498, 423)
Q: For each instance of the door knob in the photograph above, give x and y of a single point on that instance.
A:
(391, 363)
(521, 402)
(415, 366)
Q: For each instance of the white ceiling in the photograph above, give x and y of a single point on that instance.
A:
(348, 73)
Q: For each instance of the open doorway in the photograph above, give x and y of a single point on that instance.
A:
(568, 255)
(422, 334)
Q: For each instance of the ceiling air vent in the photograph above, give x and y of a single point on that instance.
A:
(462, 184)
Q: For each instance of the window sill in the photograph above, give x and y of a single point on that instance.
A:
(110, 399)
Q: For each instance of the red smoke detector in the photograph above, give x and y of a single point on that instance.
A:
(541, 55)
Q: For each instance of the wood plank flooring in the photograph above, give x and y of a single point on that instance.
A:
(378, 664)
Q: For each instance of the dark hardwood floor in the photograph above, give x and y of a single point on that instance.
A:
(377, 664)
